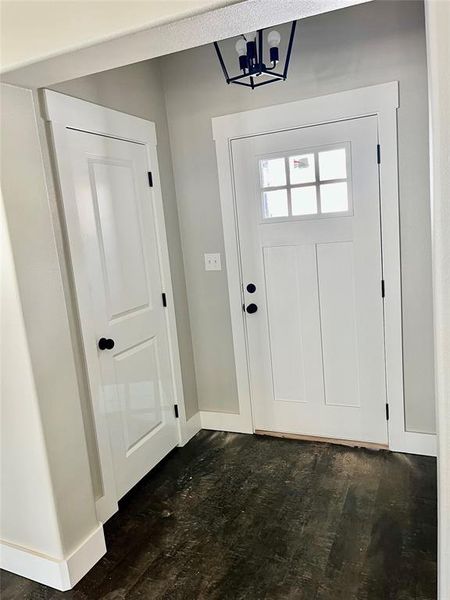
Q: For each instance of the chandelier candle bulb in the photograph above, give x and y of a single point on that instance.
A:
(251, 51)
(241, 46)
(241, 49)
(273, 40)
(251, 46)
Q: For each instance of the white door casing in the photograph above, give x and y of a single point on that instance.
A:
(381, 101)
(316, 347)
(120, 266)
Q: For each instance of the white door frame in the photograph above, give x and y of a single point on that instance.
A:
(65, 112)
(382, 101)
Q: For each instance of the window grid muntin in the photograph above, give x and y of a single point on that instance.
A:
(317, 183)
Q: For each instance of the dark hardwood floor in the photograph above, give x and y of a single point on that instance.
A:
(246, 517)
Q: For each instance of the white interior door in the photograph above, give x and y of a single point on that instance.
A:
(309, 233)
(121, 255)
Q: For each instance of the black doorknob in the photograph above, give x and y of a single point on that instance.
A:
(251, 308)
(105, 344)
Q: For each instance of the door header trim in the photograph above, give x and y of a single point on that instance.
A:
(74, 113)
(311, 111)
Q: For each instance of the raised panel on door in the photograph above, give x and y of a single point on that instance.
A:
(118, 223)
(118, 218)
(293, 318)
(139, 392)
(338, 323)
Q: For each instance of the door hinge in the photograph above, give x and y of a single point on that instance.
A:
(387, 411)
(150, 179)
(164, 299)
(382, 289)
(379, 154)
(175, 408)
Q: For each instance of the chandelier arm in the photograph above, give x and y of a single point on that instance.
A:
(270, 71)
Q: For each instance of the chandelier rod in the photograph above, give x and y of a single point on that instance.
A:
(289, 50)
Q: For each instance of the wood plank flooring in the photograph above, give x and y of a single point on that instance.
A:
(234, 517)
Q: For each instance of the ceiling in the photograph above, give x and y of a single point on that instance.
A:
(197, 22)
(35, 29)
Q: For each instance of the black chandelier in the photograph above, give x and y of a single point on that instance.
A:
(250, 48)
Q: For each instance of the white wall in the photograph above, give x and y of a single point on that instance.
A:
(27, 509)
(137, 90)
(354, 47)
(45, 317)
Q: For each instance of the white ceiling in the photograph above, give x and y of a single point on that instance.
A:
(36, 29)
(172, 35)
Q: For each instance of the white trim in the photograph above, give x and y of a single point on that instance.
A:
(59, 574)
(178, 394)
(219, 421)
(380, 100)
(191, 428)
(414, 443)
(66, 112)
(359, 102)
(243, 420)
(85, 116)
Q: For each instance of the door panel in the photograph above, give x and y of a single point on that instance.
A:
(120, 236)
(309, 230)
(338, 325)
(283, 308)
(122, 258)
(293, 319)
(138, 392)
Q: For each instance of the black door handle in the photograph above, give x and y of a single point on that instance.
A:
(105, 344)
(251, 308)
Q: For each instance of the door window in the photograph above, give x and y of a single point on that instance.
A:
(313, 183)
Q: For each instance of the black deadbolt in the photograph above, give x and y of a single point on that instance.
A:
(105, 344)
(251, 308)
(251, 288)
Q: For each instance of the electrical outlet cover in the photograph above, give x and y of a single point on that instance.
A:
(212, 262)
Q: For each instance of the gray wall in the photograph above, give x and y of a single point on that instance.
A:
(358, 46)
(137, 90)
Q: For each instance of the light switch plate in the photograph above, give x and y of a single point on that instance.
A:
(212, 262)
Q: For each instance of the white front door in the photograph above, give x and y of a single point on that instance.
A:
(309, 232)
(121, 254)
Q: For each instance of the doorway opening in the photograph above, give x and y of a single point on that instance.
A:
(258, 267)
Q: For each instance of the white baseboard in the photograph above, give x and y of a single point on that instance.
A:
(414, 443)
(62, 575)
(189, 429)
(406, 441)
(218, 421)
